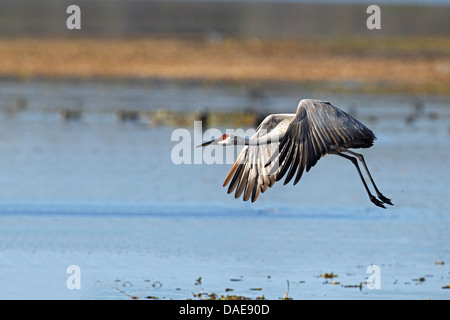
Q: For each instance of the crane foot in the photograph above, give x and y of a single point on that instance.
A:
(377, 202)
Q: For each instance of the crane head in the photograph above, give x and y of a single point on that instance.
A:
(224, 139)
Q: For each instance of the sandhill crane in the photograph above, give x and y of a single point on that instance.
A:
(292, 143)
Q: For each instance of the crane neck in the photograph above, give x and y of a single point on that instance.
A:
(266, 139)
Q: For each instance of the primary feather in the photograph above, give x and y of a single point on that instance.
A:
(297, 142)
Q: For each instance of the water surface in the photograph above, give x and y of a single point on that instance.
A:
(104, 194)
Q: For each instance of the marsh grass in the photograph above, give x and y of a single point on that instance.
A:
(418, 64)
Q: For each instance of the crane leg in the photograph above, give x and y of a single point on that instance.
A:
(355, 162)
(379, 194)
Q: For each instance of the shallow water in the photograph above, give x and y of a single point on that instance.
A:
(104, 195)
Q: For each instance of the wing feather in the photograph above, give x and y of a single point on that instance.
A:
(317, 127)
(306, 136)
(249, 176)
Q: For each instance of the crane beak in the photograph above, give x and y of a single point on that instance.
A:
(206, 143)
(223, 140)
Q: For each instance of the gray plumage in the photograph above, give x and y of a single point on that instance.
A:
(289, 144)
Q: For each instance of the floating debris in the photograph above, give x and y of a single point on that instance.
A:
(71, 114)
(446, 287)
(209, 119)
(286, 295)
(128, 115)
(116, 288)
(354, 285)
(199, 295)
(198, 281)
(328, 275)
(439, 263)
(233, 297)
(213, 296)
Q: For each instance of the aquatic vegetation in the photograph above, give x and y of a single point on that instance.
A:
(392, 64)
(328, 275)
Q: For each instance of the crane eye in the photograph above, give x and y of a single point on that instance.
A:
(224, 136)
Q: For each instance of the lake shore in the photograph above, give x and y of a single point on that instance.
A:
(383, 64)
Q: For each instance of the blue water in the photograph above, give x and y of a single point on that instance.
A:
(104, 195)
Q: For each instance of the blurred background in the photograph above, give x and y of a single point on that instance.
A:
(86, 118)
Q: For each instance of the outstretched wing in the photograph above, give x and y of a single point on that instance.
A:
(316, 127)
(249, 174)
